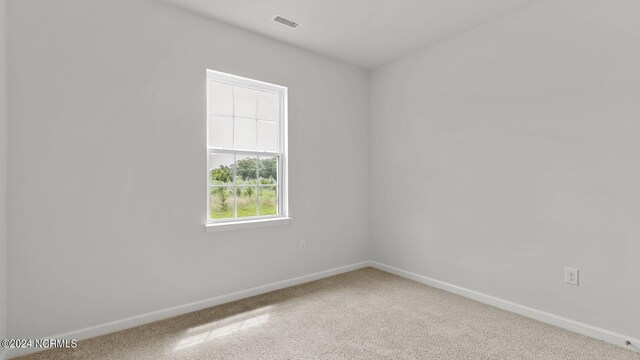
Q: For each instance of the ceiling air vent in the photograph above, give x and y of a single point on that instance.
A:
(286, 21)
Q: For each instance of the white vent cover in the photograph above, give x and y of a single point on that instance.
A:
(285, 21)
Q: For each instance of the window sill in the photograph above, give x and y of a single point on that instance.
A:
(250, 224)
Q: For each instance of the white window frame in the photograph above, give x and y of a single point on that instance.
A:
(283, 216)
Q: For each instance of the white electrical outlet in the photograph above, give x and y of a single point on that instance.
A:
(571, 275)
(303, 245)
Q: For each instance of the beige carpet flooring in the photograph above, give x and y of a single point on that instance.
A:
(364, 314)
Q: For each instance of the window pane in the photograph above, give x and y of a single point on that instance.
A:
(221, 169)
(268, 200)
(220, 98)
(222, 202)
(221, 131)
(268, 106)
(247, 201)
(268, 170)
(246, 169)
(245, 134)
(267, 136)
(244, 102)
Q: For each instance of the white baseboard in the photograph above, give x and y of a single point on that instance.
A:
(559, 321)
(137, 320)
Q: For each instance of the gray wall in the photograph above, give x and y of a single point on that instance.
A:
(507, 152)
(107, 163)
(4, 147)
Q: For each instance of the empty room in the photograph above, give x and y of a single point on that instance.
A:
(320, 179)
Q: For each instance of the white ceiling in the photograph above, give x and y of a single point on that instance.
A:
(367, 33)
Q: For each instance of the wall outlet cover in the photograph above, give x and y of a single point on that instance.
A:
(571, 275)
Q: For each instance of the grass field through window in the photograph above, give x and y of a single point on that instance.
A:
(248, 184)
(222, 201)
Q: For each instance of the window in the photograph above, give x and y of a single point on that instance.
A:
(246, 150)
